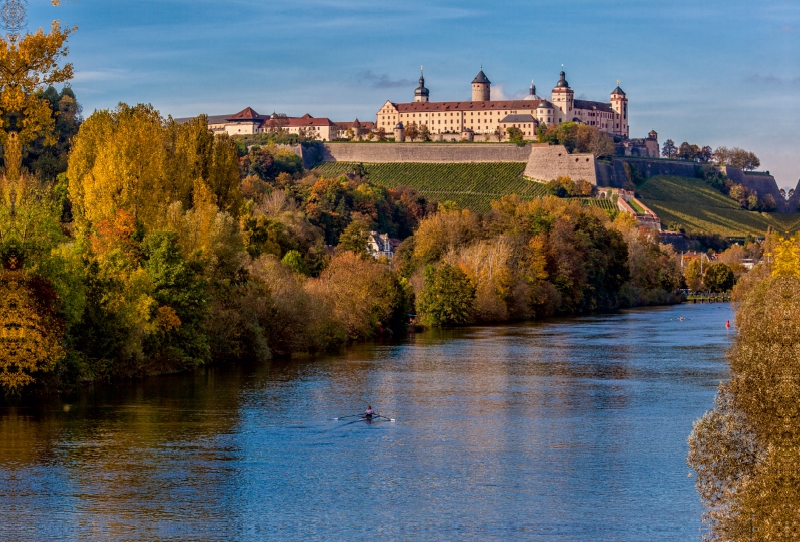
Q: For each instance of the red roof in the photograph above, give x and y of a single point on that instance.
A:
(306, 120)
(248, 113)
(466, 106)
(365, 124)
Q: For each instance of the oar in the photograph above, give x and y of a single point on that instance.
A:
(384, 417)
(345, 417)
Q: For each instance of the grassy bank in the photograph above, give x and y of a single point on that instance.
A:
(697, 207)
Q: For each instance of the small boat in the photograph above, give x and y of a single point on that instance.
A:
(362, 417)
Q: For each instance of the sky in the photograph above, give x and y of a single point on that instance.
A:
(710, 72)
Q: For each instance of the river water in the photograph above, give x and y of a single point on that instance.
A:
(569, 429)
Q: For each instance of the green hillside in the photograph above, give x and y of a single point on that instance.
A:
(697, 207)
(472, 185)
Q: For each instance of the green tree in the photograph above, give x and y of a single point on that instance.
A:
(447, 297)
(718, 278)
(355, 238)
(294, 261)
(515, 135)
(182, 301)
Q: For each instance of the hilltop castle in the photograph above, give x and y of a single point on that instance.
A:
(481, 115)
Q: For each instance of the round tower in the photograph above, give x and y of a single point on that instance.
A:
(399, 132)
(563, 98)
(481, 87)
(619, 103)
(421, 94)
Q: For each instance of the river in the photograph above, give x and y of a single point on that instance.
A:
(570, 429)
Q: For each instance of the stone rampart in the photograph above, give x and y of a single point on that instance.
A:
(650, 168)
(424, 152)
(760, 183)
(548, 163)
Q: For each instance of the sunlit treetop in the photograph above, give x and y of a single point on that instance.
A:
(786, 258)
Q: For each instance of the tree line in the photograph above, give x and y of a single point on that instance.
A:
(723, 156)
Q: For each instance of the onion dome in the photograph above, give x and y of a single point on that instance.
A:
(532, 93)
(421, 90)
(562, 82)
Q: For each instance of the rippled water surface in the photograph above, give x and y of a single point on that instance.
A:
(565, 430)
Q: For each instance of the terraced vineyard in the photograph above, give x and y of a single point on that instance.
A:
(605, 204)
(695, 206)
(472, 185)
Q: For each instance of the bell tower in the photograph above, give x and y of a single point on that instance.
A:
(619, 103)
(421, 93)
(563, 98)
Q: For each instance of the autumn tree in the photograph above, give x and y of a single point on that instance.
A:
(745, 450)
(692, 272)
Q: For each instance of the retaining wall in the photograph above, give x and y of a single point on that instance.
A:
(547, 163)
(761, 184)
(424, 152)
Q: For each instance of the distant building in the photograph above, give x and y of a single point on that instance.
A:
(482, 115)
(358, 128)
(249, 122)
(646, 147)
(379, 245)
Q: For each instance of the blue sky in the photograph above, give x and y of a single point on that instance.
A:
(715, 72)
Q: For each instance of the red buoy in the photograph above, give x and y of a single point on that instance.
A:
(728, 324)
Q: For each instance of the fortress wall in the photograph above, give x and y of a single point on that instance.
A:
(424, 152)
(761, 184)
(649, 168)
(547, 163)
(605, 175)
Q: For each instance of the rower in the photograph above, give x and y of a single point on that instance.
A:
(369, 412)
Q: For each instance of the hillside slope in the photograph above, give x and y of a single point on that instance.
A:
(697, 207)
(470, 185)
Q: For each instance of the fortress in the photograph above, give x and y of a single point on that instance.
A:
(482, 115)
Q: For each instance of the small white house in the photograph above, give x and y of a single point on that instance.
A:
(379, 245)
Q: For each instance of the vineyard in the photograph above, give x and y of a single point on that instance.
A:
(472, 185)
(605, 204)
(695, 206)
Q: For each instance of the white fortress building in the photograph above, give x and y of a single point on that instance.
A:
(482, 115)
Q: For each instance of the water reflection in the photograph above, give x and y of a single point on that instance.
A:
(572, 429)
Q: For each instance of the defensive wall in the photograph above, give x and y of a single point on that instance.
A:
(544, 162)
(547, 163)
(614, 174)
(424, 152)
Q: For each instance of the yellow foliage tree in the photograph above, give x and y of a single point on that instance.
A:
(133, 159)
(30, 334)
